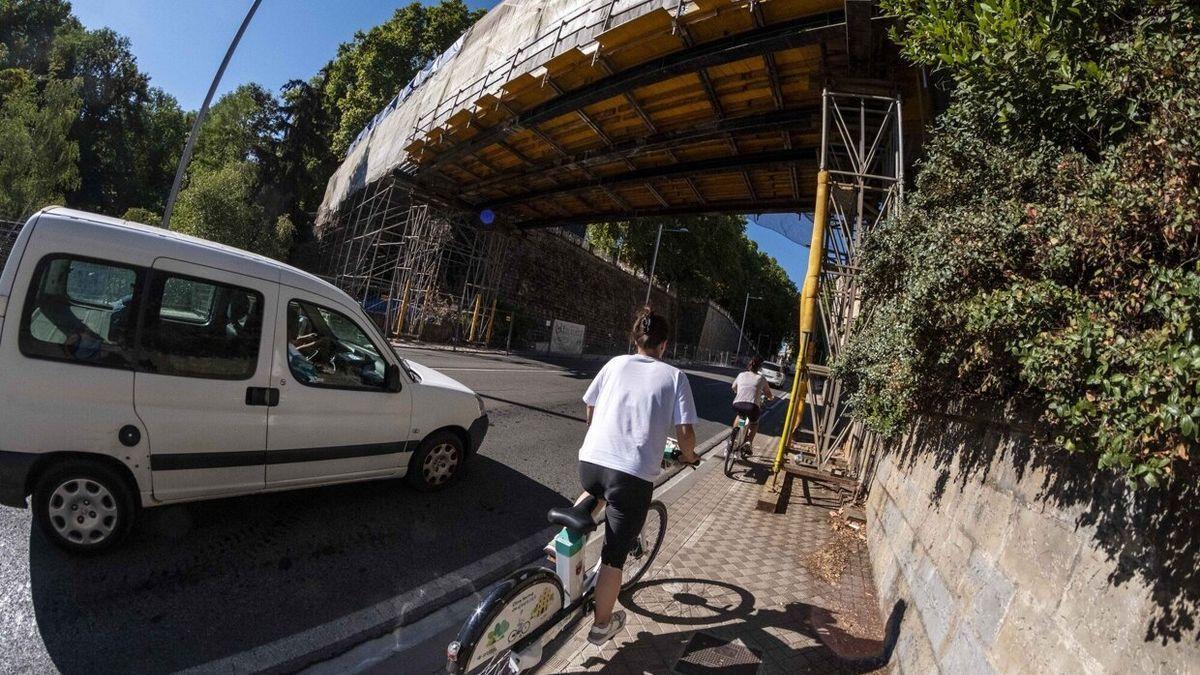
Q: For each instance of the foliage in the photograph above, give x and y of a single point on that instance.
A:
(220, 205)
(369, 70)
(37, 158)
(713, 259)
(1048, 255)
(137, 214)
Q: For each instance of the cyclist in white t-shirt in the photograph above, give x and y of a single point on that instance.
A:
(633, 403)
(751, 392)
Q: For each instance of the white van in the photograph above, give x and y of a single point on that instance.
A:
(141, 367)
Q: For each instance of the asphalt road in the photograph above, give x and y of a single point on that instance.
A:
(199, 582)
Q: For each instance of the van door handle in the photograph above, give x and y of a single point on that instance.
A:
(268, 396)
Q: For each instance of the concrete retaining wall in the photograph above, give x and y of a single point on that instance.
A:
(550, 275)
(1013, 559)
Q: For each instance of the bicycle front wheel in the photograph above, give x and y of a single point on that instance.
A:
(519, 606)
(645, 548)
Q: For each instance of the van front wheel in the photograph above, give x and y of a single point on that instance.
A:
(83, 506)
(437, 463)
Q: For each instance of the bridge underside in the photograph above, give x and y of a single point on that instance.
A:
(713, 108)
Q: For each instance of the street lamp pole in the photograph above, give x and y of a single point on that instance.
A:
(653, 264)
(654, 259)
(200, 115)
(741, 328)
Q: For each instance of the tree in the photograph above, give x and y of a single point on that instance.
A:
(712, 260)
(27, 32)
(37, 157)
(375, 65)
(221, 205)
(114, 92)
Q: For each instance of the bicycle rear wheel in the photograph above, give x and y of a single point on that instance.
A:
(735, 447)
(645, 549)
(519, 606)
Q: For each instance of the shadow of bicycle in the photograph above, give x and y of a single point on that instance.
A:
(666, 613)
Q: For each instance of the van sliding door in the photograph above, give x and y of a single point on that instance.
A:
(202, 389)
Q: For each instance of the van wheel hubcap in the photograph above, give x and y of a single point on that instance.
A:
(440, 464)
(83, 511)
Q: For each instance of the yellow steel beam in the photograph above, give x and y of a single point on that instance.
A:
(403, 310)
(808, 311)
(474, 318)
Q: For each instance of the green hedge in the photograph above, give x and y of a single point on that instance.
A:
(1048, 254)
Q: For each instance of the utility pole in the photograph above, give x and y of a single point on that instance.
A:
(200, 115)
(654, 259)
(741, 328)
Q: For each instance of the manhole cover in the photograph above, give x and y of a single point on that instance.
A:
(706, 654)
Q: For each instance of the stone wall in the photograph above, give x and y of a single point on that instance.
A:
(708, 328)
(1017, 559)
(550, 275)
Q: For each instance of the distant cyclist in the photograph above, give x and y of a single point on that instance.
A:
(631, 405)
(751, 392)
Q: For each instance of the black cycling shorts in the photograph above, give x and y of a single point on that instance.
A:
(748, 410)
(627, 500)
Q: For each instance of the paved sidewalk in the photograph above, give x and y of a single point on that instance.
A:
(734, 573)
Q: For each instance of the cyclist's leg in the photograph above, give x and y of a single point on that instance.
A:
(628, 502)
(752, 427)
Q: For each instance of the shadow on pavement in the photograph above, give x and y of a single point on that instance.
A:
(796, 638)
(203, 581)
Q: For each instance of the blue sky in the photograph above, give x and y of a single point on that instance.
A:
(179, 43)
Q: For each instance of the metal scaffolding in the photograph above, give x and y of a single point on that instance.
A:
(861, 185)
(412, 266)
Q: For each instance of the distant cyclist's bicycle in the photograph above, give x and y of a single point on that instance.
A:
(739, 445)
(505, 633)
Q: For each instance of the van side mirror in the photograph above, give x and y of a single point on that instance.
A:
(391, 378)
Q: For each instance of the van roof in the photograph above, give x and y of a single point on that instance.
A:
(203, 251)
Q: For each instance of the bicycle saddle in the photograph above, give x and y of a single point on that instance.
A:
(576, 518)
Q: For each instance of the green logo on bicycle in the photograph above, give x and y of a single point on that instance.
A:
(497, 632)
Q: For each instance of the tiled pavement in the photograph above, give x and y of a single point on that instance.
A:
(730, 571)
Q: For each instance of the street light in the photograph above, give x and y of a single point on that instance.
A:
(200, 115)
(654, 260)
(741, 328)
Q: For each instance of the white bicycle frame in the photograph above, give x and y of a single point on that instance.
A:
(577, 558)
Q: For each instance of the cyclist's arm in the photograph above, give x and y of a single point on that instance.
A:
(685, 435)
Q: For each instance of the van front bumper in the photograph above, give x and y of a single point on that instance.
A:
(14, 474)
(477, 431)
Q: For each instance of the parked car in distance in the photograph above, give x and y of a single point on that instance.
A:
(773, 373)
(142, 367)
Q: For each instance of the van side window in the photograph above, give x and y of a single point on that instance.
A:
(199, 328)
(328, 349)
(81, 310)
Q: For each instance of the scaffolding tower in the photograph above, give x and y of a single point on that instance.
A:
(411, 265)
(860, 186)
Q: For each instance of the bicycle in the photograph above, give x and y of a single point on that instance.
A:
(504, 635)
(738, 445)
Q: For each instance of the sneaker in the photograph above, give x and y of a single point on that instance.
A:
(599, 635)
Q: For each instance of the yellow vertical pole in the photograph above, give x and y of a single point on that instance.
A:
(474, 318)
(403, 309)
(808, 311)
(491, 323)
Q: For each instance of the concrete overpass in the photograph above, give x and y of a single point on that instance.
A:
(554, 113)
(548, 113)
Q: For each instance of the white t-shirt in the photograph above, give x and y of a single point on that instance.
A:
(638, 400)
(750, 388)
